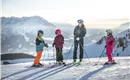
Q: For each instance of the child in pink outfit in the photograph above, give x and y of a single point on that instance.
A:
(109, 46)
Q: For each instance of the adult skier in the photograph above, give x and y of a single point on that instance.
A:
(79, 34)
(109, 46)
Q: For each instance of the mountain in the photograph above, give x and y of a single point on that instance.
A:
(125, 25)
(34, 21)
(66, 27)
(121, 27)
(18, 34)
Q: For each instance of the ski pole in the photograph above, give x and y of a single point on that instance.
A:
(100, 56)
(84, 51)
(54, 56)
(69, 52)
(48, 55)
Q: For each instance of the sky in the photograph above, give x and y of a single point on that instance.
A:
(67, 10)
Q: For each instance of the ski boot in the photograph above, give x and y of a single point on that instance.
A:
(74, 63)
(58, 63)
(113, 62)
(79, 63)
(63, 63)
(37, 65)
(107, 63)
(41, 65)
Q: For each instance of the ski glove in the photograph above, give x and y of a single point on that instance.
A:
(46, 45)
(53, 44)
(77, 38)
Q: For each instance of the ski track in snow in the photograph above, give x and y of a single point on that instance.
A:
(85, 71)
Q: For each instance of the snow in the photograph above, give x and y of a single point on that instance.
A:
(86, 71)
(49, 39)
(10, 49)
(20, 45)
(26, 38)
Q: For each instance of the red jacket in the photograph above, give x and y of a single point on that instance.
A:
(109, 44)
(58, 41)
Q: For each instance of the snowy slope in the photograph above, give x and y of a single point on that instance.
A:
(124, 26)
(96, 49)
(22, 32)
(86, 71)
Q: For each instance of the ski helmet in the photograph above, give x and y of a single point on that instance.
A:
(58, 31)
(109, 30)
(80, 21)
(40, 31)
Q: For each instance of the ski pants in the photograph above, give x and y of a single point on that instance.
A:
(38, 57)
(109, 53)
(59, 56)
(81, 44)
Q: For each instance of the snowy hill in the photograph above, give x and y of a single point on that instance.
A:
(18, 34)
(34, 21)
(125, 26)
(122, 50)
(86, 71)
(122, 27)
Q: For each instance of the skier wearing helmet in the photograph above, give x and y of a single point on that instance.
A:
(109, 46)
(79, 34)
(58, 43)
(39, 48)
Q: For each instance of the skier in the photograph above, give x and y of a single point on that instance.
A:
(39, 49)
(109, 46)
(79, 34)
(58, 43)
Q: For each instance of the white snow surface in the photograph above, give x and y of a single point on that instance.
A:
(86, 71)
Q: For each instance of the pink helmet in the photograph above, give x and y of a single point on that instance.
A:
(58, 31)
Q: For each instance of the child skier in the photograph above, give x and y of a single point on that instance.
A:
(58, 43)
(109, 46)
(79, 34)
(39, 48)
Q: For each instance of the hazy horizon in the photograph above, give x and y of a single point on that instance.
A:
(106, 23)
(67, 10)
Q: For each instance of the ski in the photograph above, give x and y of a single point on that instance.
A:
(77, 64)
(110, 63)
(48, 66)
(105, 64)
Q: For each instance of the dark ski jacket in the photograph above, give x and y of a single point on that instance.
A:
(79, 32)
(58, 41)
